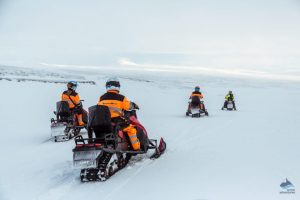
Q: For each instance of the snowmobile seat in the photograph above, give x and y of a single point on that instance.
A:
(62, 110)
(100, 120)
(195, 101)
(85, 117)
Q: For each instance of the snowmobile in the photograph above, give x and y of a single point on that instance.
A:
(109, 151)
(229, 106)
(64, 127)
(194, 108)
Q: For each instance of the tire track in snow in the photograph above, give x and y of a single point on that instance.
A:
(127, 180)
(188, 136)
(62, 182)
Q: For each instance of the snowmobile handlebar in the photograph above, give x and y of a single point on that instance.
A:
(128, 113)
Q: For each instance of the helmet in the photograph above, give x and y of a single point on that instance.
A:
(197, 88)
(113, 84)
(230, 92)
(72, 85)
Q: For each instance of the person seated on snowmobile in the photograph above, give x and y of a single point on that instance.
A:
(195, 100)
(229, 97)
(117, 104)
(73, 99)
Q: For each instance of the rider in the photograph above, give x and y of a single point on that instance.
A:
(73, 99)
(195, 100)
(117, 104)
(229, 97)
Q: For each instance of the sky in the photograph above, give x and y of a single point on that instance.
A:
(248, 34)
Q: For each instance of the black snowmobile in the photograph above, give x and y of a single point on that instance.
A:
(194, 108)
(228, 106)
(64, 127)
(101, 156)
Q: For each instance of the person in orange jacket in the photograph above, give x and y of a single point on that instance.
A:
(73, 99)
(117, 104)
(195, 100)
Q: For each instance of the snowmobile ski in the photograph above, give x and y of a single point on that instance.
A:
(159, 150)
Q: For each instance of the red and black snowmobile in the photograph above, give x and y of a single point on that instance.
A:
(101, 156)
(65, 127)
(196, 108)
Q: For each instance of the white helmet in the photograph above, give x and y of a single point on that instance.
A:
(113, 84)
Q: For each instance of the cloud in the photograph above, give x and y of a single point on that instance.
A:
(212, 71)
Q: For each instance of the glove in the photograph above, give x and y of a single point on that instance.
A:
(78, 108)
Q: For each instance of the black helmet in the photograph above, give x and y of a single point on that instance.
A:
(230, 92)
(113, 84)
(72, 85)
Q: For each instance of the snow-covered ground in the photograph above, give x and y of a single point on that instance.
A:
(228, 155)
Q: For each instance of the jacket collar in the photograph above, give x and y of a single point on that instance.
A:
(113, 91)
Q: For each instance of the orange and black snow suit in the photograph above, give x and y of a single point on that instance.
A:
(117, 103)
(196, 100)
(197, 94)
(75, 105)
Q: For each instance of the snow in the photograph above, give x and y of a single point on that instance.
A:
(228, 155)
